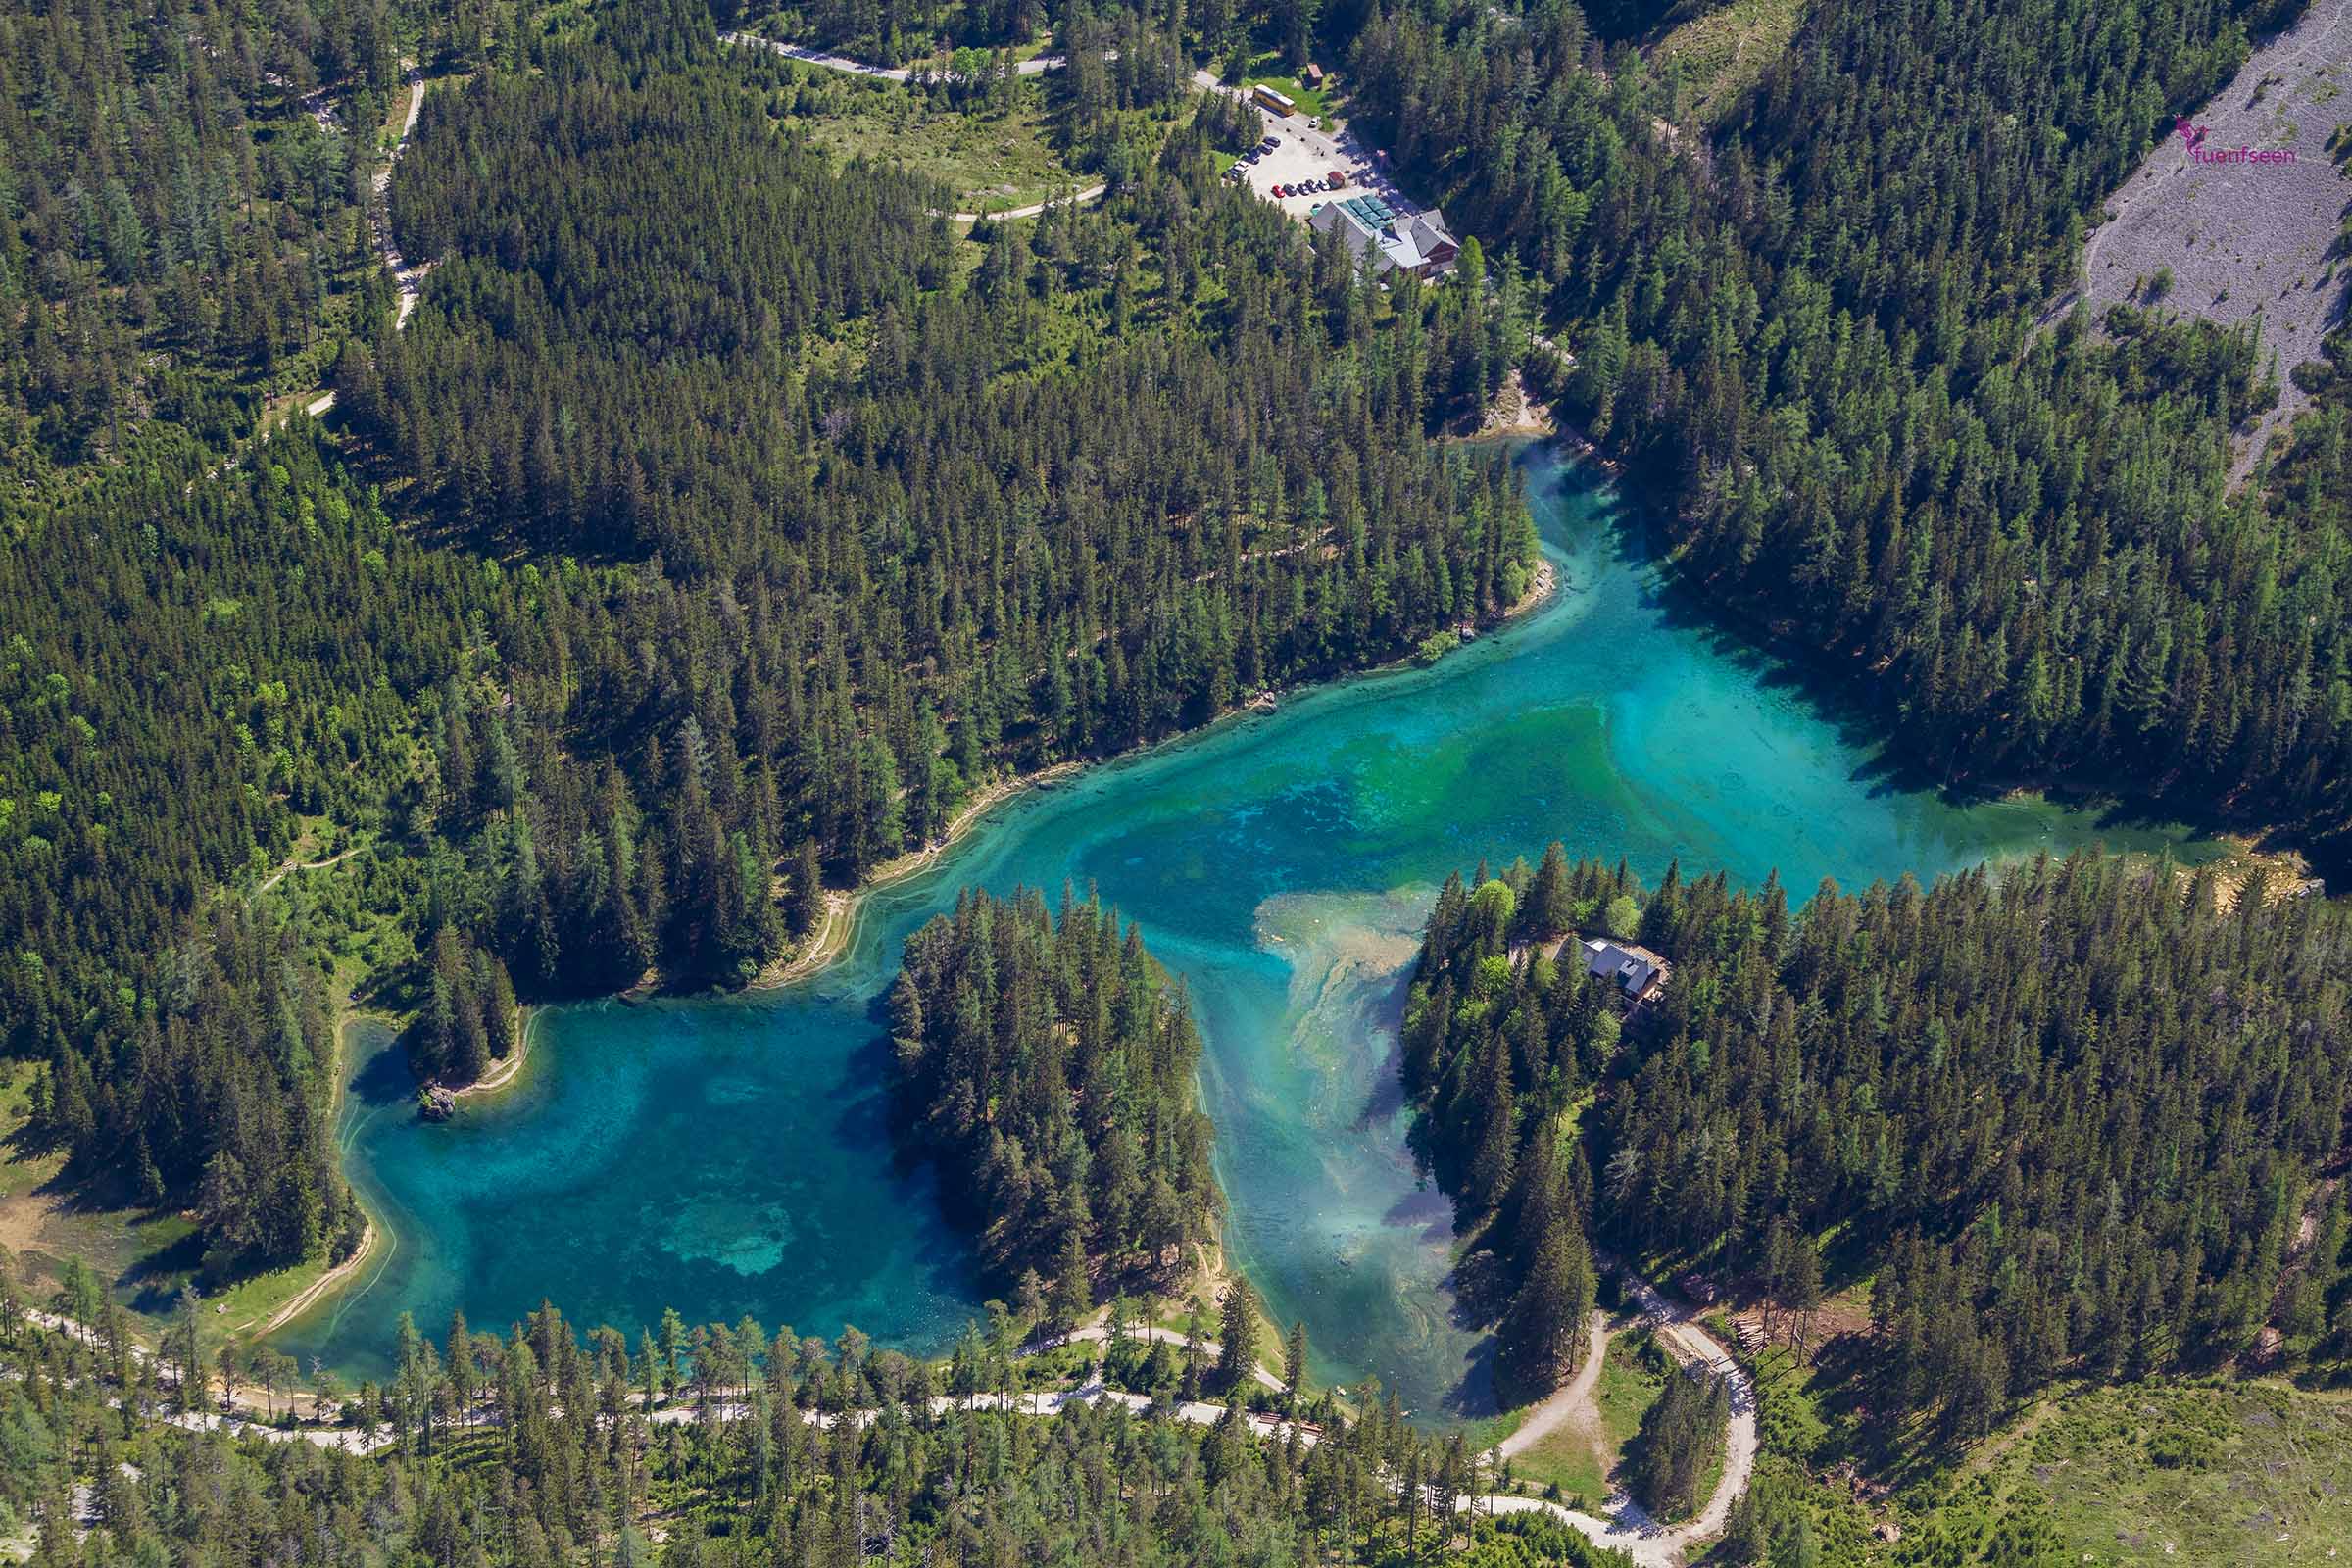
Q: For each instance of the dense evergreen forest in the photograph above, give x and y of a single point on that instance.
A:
(879, 542)
(710, 1448)
(1499, 1083)
(977, 36)
(1818, 331)
(725, 519)
(1046, 1064)
(176, 227)
(189, 674)
(2078, 1117)
(716, 528)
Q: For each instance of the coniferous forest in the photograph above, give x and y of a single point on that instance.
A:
(727, 519)
(2069, 1118)
(711, 533)
(544, 1446)
(1046, 1064)
(177, 224)
(1822, 332)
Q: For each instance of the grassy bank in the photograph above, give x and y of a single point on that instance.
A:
(2169, 1473)
(1721, 54)
(995, 154)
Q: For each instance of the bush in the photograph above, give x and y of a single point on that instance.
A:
(2182, 1448)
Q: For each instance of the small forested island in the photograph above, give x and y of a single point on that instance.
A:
(1045, 1063)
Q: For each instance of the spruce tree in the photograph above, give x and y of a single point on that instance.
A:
(1549, 909)
(1073, 1296)
(1237, 1341)
(1541, 1338)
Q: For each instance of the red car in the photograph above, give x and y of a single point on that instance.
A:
(1281, 191)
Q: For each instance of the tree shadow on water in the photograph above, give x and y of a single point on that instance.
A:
(1385, 1011)
(383, 1078)
(863, 1096)
(1825, 683)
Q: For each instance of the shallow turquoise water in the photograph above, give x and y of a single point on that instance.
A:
(729, 1155)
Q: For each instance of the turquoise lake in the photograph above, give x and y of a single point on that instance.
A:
(729, 1155)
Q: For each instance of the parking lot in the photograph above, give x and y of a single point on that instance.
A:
(1307, 154)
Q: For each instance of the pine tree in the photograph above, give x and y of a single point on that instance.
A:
(807, 889)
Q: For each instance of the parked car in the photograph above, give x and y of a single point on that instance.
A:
(1339, 179)
(1281, 191)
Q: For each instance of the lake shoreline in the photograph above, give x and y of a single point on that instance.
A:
(1837, 679)
(835, 929)
(831, 937)
(1602, 720)
(507, 1071)
(326, 1284)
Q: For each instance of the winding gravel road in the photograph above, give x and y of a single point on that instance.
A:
(1629, 1528)
(817, 57)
